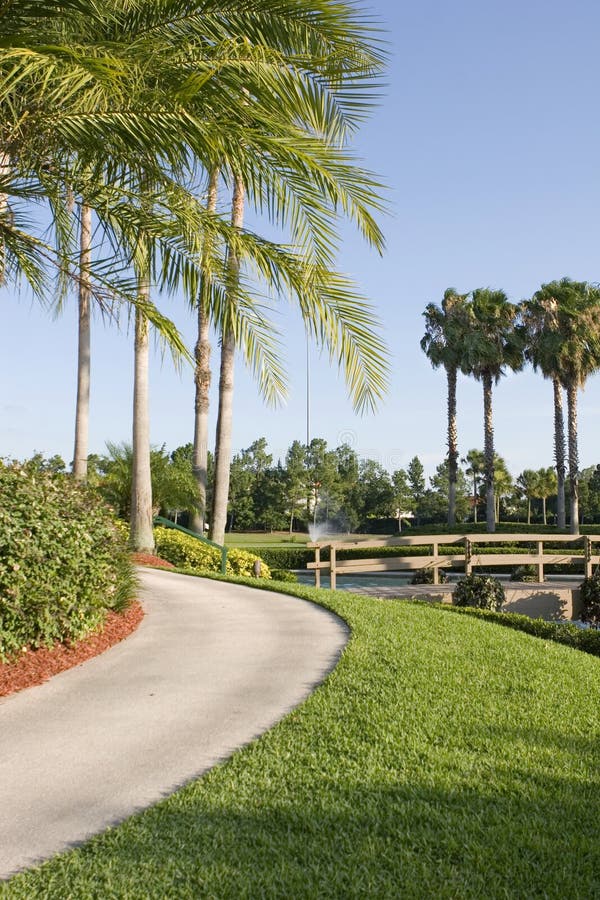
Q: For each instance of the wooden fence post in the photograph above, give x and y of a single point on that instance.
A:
(587, 544)
(436, 571)
(540, 565)
(317, 570)
(332, 574)
(468, 554)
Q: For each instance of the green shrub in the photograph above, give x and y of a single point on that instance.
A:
(590, 599)
(187, 552)
(63, 563)
(284, 575)
(425, 576)
(241, 562)
(479, 591)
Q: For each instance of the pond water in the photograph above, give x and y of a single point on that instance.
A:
(354, 582)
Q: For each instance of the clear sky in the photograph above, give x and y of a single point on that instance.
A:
(488, 141)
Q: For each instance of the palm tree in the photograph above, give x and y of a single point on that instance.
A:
(503, 482)
(566, 343)
(528, 484)
(82, 413)
(547, 486)
(475, 462)
(202, 375)
(491, 345)
(309, 68)
(542, 350)
(225, 415)
(442, 345)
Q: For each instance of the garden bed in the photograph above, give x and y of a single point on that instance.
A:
(36, 666)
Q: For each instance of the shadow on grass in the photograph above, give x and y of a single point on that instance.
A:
(520, 838)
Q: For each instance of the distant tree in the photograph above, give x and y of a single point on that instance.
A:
(563, 321)
(375, 491)
(402, 494)
(416, 482)
(445, 329)
(547, 486)
(503, 482)
(475, 462)
(528, 487)
(323, 479)
(295, 478)
(439, 485)
(540, 325)
(492, 344)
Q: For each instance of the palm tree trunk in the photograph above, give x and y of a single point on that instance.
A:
(529, 510)
(5, 166)
(475, 498)
(544, 508)
(202, 377)
(82, 409)
(559, 453)
(489, 453)
(142, 537)
(573, 456)
(225, 415)
(452, 445)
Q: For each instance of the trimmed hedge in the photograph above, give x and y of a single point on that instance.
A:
(188, 552)
(580, 639)
(63, 562)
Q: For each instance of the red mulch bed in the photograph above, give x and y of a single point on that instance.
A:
(35, 666)
(148, 559)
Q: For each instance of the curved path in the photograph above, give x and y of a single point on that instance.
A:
(211, 666)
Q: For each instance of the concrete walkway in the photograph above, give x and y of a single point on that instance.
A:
(211, 667)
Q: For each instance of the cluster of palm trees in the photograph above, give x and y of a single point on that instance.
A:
(483, 334)
(145, 130)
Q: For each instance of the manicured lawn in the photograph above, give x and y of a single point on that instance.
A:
(282, 539)
(445, 757)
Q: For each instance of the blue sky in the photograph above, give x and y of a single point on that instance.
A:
(487, 139)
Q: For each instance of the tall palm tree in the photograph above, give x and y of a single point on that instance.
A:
(542, 349)
(567, 344)
(475, 462)
(82, 412)
(225, 414)
(444, 331)
(202, 375)
(492, 344)
(127, 85)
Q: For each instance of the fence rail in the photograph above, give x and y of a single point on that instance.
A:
(469, 557)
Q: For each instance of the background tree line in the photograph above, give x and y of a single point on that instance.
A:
(317, 485)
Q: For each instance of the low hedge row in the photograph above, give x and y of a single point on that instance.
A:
(63, 562)
(586, 640)
(188, 552)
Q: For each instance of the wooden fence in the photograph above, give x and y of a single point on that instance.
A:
(466, 554)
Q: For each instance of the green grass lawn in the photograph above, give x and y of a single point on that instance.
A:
(444, 757)
(283, 539)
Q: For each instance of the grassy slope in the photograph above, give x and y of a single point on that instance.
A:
(444, 757)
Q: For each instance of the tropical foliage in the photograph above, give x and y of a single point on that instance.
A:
(63, 563)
